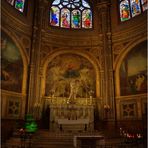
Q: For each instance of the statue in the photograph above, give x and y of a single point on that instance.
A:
(74, 87)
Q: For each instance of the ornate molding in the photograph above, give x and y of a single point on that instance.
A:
(14, 23)
(71, 41)
(119, 48)
(94, 51)
(130, 33)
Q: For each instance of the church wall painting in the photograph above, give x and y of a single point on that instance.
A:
(70, 70)
(11, 65)
(133, 71)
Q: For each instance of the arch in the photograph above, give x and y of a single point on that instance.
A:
(119, 60)
(23, 53)
(85, 55)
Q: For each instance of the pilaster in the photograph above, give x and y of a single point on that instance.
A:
(34, 101)
(105, 33)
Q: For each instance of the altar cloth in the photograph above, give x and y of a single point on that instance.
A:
(78, 121)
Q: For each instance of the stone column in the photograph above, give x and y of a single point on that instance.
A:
(34, 77)
(105, 33)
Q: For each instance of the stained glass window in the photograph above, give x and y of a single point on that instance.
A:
(124, 10)
(144, 5)
(75, 14)
(131, 8)
(86, 19)
(65, 18)
(18, 4)
(54, 16)
(76, 19)
(135, 7)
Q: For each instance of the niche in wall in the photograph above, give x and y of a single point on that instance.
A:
(133, 71)
(70, 68)
(11, 65)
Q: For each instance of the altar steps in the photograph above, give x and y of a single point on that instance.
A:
(41, 139)
(52, 140)
(49, 139)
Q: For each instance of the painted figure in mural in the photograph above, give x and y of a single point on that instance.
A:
(132, 86)
(65, 22)
(71, 71)
(76, 19)
(85, 80)
(4, 74)
(10, 63)
(54, 19)
(139, 81)
(57, 81)
(70, 76)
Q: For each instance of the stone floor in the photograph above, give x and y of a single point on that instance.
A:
(47, 139)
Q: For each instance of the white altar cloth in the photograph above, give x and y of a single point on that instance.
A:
(78, 121)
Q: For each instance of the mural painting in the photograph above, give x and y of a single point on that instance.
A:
(11, 65)
(133, 71)
(70, 75)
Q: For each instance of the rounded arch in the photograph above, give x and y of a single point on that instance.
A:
(23, 54)
(85, 55)
(119, 60)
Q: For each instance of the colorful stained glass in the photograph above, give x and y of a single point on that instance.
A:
(54, 16)
(76, 19)
(19, 4)
(65, 18)
(124, 10)
(71, 14)
(10, 1)
(135, 7)
(87, 19)
(56, 2)
(85, 4)
(144, 5)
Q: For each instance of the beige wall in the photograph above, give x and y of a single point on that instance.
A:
(125, 36)
(48, 42)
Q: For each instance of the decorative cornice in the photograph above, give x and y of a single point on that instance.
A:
(71, 41)
(132, 97)
(12, 93)
(130, 33)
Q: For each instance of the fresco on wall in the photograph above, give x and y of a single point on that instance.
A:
(11, 65)
(68, 73)
(133, 71)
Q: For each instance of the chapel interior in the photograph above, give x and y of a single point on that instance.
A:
(74, 73)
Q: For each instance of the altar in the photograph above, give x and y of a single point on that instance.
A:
(78, 116)
(73, 125)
